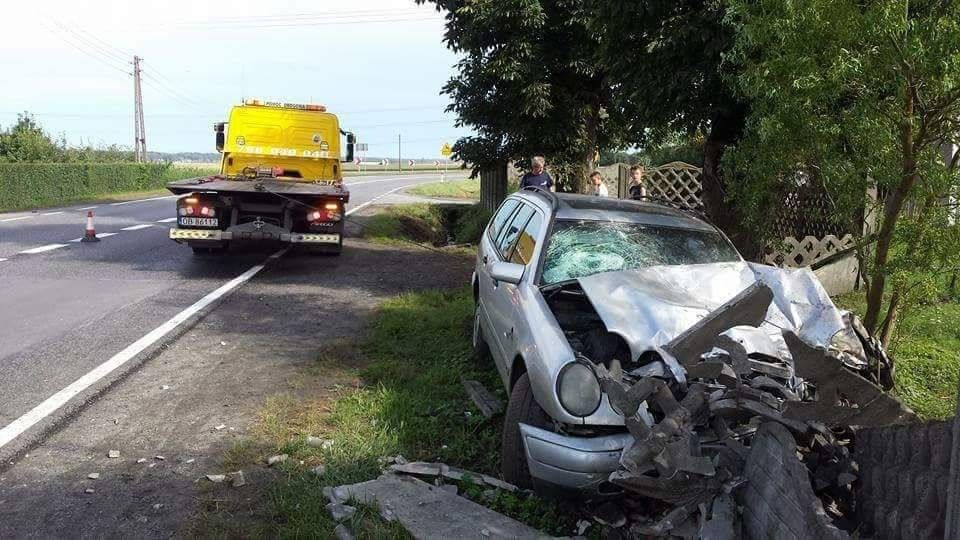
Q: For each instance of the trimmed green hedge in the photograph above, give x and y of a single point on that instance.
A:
(31, 185)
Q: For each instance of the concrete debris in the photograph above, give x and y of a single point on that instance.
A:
(165, 387)
(88, 490)
(446, 472)
(113, 454)
(317, 442)
(220, 427)
(582, 526)
(159, 458)
(342, 532)
(93, 475)
(158, 506)
(340, 512)
(237, 479)
(487, 403)
(769, 434)
(319, 470)
(216, 478)
(275, 460)
(189, 461)
(427, 511)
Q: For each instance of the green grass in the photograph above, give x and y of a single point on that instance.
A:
(453, 189)
(401, 224)
(410, 402)
(926, 349)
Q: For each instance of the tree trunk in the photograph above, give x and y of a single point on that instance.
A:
(725, 129)
(890, 322)
(891, 212)
(591, 125)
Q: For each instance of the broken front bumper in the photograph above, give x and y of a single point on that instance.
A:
(217, 235)
(579, 463)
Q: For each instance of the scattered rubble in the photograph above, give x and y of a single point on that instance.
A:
(88, 490)
(159, 458)
(113, 454)
(488, 404)
(319, 470)
(220, 427)
(237, 479)
(340, 512)
(216, 478)
(276, 460)
(317, 442)
(93, 476)
(142, 460)
(342, 532)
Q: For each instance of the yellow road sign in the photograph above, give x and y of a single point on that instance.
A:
(446, 150)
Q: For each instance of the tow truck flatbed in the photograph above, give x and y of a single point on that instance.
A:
(293, 189)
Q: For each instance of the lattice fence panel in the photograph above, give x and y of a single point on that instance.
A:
(676, 182)
(795, 253)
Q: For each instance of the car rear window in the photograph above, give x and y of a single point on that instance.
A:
(582, 248)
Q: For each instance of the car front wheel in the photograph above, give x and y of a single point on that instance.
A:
(522, 408)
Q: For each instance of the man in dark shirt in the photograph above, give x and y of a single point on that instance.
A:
(537, 176)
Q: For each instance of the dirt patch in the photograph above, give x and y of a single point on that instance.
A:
(197, 402)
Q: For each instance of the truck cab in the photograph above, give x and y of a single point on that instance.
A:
(280, 180)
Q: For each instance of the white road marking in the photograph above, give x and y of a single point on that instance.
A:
(393, 179)
(41, 249)
(137, 227)
(54, 402)
(15, 219)
(87, 208)
(51, 214)
(1, 260)
(143, 200)
(99, 235)
(377, 198)
(167, 220)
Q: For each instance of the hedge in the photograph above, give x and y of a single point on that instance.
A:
(32, 185)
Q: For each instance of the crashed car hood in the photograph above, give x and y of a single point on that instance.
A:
(651, 306)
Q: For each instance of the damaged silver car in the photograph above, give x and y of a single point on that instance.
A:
(569, 288)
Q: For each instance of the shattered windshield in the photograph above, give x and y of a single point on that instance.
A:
(582, 248)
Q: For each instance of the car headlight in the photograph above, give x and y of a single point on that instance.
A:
(578, 389)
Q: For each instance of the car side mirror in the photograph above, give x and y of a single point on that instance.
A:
(507, 272)
(221, 136)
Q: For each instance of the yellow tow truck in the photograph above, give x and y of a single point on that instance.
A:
(280, 181)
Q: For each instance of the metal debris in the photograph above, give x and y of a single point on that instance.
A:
(731, 419)
(486, 402)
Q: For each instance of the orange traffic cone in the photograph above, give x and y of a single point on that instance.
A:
(90, 234)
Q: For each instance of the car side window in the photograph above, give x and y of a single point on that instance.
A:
(501, 217)
(527, 242)
(508, 238)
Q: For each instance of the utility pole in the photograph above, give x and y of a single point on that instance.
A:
(139, 132)
(399, 155)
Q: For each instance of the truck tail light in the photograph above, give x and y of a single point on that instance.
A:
(277, 171)
(314, 215)
(332, 206)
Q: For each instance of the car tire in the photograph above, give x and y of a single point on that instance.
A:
(522, 408)
(481, 349)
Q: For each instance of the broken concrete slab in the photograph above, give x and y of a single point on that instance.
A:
(430, 512)
(237, 479)
(486, 402)
(113, 454)
(777, 481)
(340, 512)
(216, 478)
(748, 308)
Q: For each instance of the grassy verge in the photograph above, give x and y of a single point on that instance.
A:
(926, 348)
(454, 189)
(408, 401)
(426, 223)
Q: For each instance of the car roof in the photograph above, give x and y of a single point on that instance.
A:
(570, 206)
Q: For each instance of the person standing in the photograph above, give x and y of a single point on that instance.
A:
(538, 176)
(636, 188)
(598, 188)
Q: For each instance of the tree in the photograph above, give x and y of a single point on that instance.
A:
(527, 84)
(856, 95)
(26, 142)
(668, 61)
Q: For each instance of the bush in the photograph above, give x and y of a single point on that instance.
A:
(469, 225)
(31, 185)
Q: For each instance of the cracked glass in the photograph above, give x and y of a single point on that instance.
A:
(582, 248)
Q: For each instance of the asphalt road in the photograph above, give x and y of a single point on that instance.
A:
(66, 307)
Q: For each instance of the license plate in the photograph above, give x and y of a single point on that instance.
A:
(198, 221)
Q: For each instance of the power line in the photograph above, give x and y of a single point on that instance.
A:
(87, 52)
(170, 90)
(101, 49)
(259, 19)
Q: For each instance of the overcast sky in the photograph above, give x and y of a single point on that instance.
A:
(379, 64)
